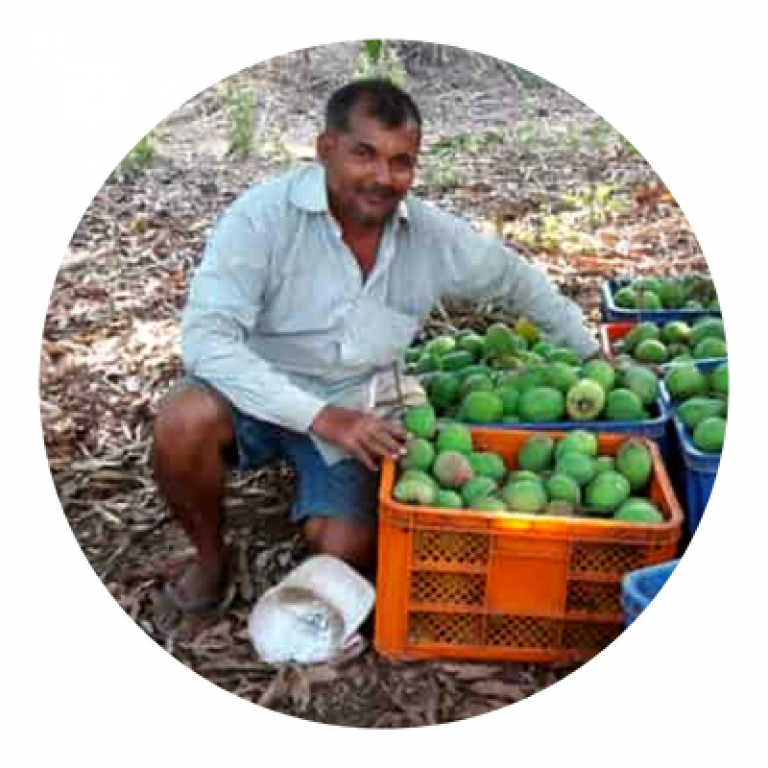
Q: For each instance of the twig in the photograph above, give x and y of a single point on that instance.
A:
(132, 539)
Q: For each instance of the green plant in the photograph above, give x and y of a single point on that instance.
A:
(439, 171)
(140, 157)
(574, 136)
(632, 146)
(600, 135)
(373, 50)
(471, 143)
(528, 79)
(378, 59)
(238, 106)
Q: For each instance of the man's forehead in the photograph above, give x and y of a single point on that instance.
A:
(363, 124)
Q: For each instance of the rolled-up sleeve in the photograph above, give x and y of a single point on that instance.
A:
(481, 268)
(225, 300)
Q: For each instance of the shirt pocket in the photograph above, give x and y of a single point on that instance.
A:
(375, 335)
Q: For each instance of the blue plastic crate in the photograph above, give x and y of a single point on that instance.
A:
(698, 472)
(694, 472)
(614, 314)
(639, 587)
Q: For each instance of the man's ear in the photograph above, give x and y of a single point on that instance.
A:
(324, 146)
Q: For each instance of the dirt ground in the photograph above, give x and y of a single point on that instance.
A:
(523, 162)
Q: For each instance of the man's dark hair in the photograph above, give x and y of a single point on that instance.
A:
(380, 99)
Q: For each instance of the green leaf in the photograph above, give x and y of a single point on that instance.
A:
(373, 50)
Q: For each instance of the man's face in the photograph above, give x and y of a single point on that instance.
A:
(369, 168)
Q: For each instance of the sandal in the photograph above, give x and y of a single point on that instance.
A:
(176, 617)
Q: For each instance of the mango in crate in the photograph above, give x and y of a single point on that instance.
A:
(421, 421)
(696, 409)
(709, 434)
(440, 346)
(643, 382)
(719, 379)
(600, 371)
(525, 496)
(472, 343)
(452, 470)
(536, 453)
(676, 332)
(578, 441)
(585, 400)
(641, 332)
(448, 500)
(607, 491)
(685, 381)
(488, 504)
(651, 351)
(420, 455)
(561, 376)
(487, 464)
(634, 461)
(477, 487)
(527, 330)
(635, 510)
(710, 347)
(500, 340)
(562, 487)
(456, 361)
(624, 405)
(541, 405)
(481, 408)
(577, 466)
(454, 437)
(413, 489)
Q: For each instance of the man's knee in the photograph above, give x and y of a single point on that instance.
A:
(189, 418)
(353, 542)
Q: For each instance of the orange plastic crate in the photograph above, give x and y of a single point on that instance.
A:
(610, 333)
(507, 586)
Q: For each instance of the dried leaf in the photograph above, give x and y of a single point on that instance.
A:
(497, 689)
(111, 346)
(469, 672)
(276, 690)
(300, 689)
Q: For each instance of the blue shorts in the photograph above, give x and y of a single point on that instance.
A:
(345, 490)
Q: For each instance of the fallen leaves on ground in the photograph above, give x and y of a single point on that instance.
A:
(110, 351)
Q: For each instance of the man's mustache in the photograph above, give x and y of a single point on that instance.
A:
(376, 190)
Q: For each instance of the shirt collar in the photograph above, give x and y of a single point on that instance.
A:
(309, 192)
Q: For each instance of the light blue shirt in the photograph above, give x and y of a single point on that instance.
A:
(280, 320)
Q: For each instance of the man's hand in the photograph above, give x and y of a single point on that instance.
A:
(365, 437)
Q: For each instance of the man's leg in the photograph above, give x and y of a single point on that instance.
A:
(350, 540)
(191, 432)
(336, 505)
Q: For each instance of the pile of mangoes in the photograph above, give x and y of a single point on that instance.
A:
(675, 341)
(700, 401)
(563, 477)
(690, 291)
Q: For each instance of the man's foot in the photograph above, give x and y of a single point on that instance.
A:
(188, 599)
(197, 589)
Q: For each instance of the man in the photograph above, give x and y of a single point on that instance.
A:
(310, 287)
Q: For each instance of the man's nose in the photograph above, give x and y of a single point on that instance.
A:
(383, 174)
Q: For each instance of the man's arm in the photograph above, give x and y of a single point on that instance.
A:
(481, 268)
(225, 300)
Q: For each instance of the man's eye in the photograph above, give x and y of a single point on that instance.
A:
(362, 151)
